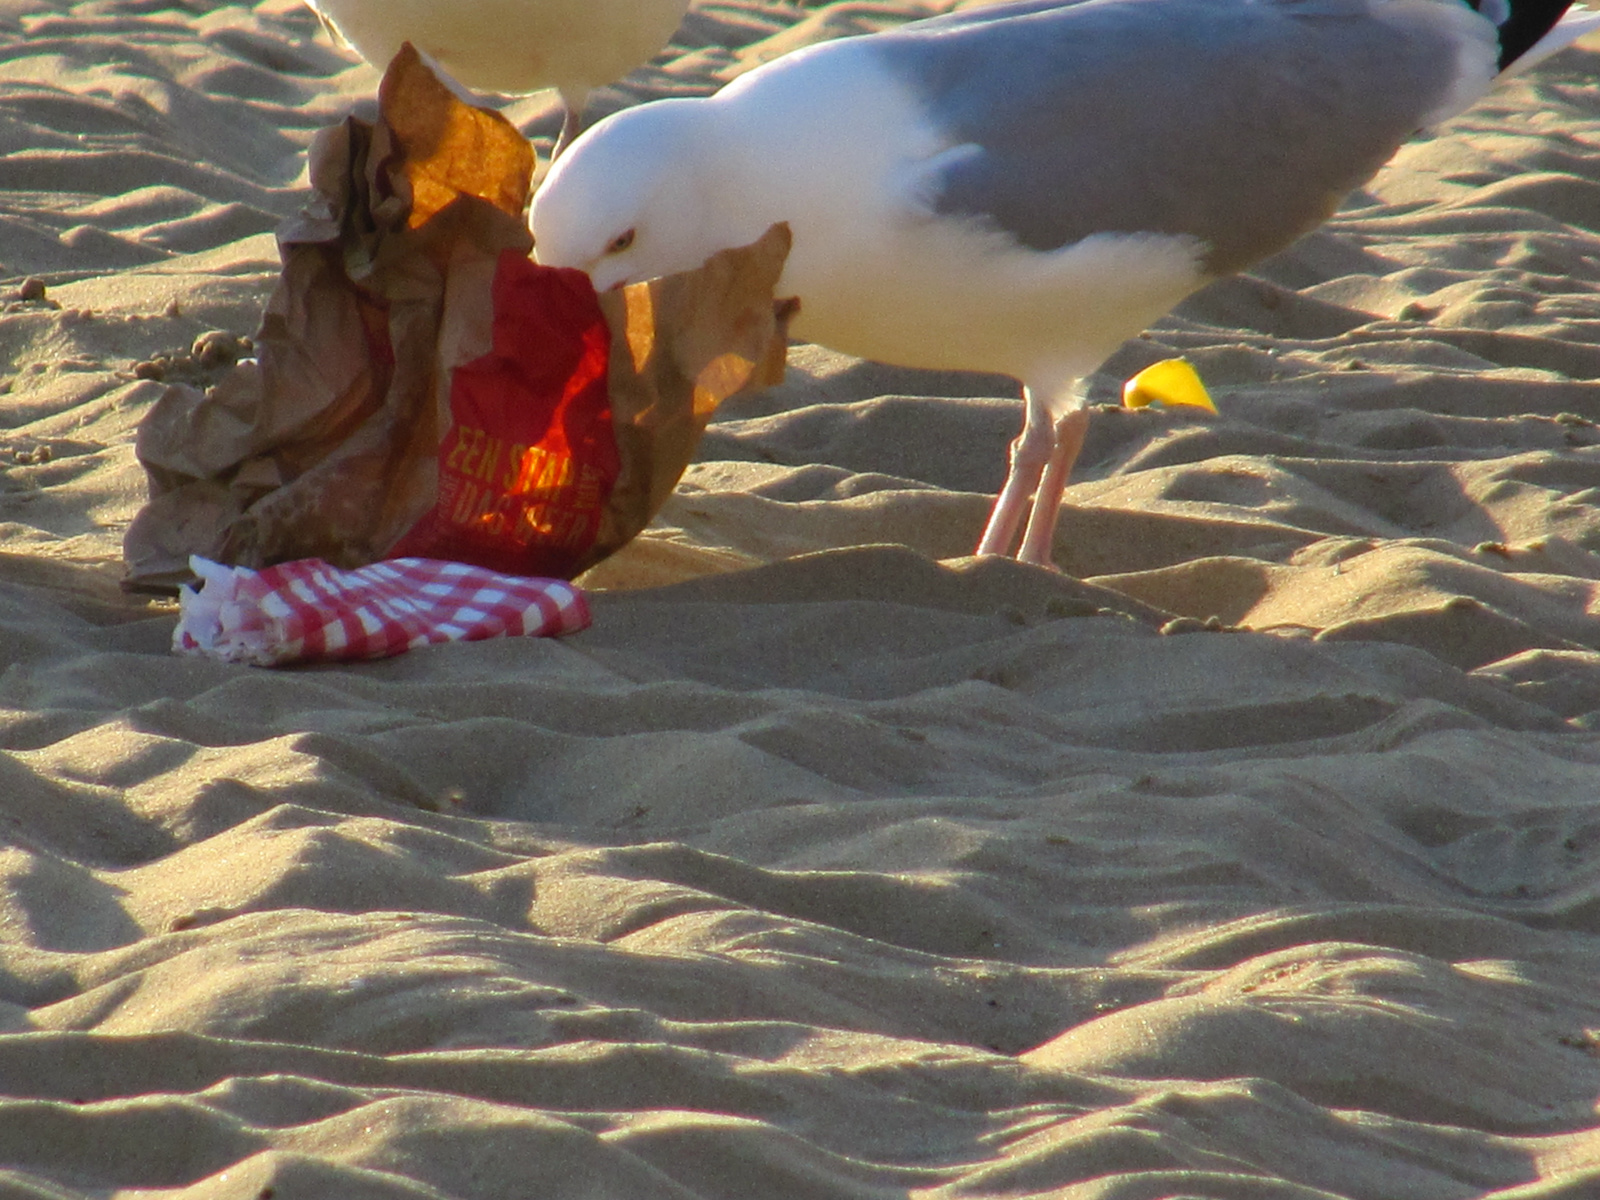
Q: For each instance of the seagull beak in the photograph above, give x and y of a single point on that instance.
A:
(1172, 381)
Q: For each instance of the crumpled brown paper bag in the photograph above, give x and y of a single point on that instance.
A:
(422, 388)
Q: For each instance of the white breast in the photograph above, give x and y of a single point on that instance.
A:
(836, 148)
(513, 46)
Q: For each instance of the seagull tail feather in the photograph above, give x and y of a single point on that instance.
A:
(1532, 30)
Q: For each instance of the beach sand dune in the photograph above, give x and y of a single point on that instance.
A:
(1257, 858)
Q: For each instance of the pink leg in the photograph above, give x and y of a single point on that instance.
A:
(1030, 454)
(1039, 540)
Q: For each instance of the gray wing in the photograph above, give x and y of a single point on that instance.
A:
(1240, 122)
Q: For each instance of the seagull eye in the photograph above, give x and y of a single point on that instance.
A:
(621, 242)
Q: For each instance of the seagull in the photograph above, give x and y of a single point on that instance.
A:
(513, 46)
(1019, 188)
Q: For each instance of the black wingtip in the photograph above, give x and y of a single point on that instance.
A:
(1521, 23)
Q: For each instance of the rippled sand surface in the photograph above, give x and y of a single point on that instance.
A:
(829, 862)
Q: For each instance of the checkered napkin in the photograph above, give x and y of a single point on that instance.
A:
(308, 611)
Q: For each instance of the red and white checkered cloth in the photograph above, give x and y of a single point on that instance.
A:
(308, 611)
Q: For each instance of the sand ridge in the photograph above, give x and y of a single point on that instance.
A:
(1256, 858)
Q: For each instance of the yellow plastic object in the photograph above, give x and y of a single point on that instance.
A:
(1171, 381)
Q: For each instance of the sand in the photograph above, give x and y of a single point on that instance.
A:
(1256, 857)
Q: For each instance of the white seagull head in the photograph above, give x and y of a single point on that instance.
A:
(633, 205)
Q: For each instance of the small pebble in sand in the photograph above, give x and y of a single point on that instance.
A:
(30, 295)
(212, 351)
(219, 348)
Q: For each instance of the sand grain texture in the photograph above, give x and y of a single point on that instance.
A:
(828, 863)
